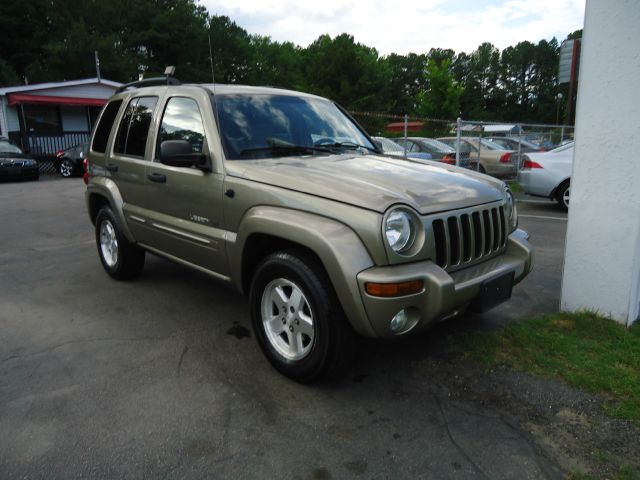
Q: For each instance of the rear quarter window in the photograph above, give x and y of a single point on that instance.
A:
(101, 135)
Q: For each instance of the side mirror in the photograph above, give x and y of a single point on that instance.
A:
(378, 144)
(178, 153)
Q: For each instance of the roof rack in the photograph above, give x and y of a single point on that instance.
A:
(150, 82)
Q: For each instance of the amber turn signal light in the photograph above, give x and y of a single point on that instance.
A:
(394, 289)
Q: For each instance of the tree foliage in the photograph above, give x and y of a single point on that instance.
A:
(55, 40)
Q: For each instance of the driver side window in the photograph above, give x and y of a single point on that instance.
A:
(182, 120)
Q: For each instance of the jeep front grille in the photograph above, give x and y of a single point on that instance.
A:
(467, 238)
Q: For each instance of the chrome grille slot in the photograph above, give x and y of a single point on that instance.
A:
(469, 236)
(495, 228)
(454, 241)
(478, 234)
(467, 245)
(503, 228)
(441, 242)
(488, 234)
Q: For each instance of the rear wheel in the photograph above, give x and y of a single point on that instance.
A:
(120, 258)
(563, 196)
(297, 318)
(67, 167)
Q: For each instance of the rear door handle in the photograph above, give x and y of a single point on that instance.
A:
(157, 177)
(112, 167)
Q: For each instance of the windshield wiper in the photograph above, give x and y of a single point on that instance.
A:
(292, 149)
(349, 145)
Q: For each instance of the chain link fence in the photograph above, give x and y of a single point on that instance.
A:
(495, 148)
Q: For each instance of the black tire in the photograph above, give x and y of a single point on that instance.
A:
(329, 352)
(67, 168)
(482, 170)
(128, 260)
(562, 196)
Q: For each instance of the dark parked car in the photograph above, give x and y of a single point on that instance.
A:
(14, 164)
(438, 150)
(511, 143)
(69, 161)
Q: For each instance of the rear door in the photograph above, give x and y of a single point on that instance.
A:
(127, 162)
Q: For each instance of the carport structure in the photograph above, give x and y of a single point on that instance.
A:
(46, 117)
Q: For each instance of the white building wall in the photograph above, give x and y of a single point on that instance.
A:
(74, 119)
(602, 260)
(13, 120)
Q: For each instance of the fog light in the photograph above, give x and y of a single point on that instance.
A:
(399, 321)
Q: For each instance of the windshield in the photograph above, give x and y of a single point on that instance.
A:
(389, 145)
(491, 145)
(562, 148)
(6, 147)
(438, 145)
(267, 126)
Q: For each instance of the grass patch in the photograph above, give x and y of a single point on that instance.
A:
(583, 349)
(623, 473)
(514, 186)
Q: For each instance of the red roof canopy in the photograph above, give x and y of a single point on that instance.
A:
(399, 126)
(16, 98)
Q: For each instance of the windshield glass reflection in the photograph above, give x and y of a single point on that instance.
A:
(267, 126)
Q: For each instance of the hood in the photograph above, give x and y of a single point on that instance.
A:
(15, 156)
(374, 182)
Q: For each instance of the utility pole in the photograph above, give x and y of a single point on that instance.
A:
(95, 52)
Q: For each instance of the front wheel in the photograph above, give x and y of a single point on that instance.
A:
(120, 258)
(563, 196)
(297, 318)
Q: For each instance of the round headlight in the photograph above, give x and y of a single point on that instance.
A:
(399, 231)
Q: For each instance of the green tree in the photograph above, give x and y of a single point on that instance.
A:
(348, 72)
(441, 98)
(406, 81)
(8, 75)
(232, 53)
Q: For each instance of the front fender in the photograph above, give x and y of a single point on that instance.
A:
(340, 250)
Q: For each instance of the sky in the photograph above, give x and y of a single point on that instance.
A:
(407, 26)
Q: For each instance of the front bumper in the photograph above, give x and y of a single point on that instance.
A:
(444, 294)
(13, 172)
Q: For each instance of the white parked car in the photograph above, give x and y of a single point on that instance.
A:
(548, 174)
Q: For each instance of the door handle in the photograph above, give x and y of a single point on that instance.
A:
(157, 177)
(112, 167)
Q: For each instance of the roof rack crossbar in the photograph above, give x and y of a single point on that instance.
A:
(150, 82)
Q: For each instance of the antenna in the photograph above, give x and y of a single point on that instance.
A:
(213, 78)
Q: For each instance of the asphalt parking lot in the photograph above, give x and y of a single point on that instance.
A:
(161, 378)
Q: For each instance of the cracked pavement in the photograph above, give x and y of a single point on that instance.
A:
(161, 378)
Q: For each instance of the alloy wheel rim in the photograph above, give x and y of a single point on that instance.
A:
(108, 243)
(66, 169)
(287, 319)
(565, 198)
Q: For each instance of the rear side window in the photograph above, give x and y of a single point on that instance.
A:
(101, 135)
(134, 127)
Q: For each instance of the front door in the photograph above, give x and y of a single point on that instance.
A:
(182, 211)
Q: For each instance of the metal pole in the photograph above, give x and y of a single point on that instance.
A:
(406, 121)
(458, 125)
(95, 52)
(519, 160)
(479, 147)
